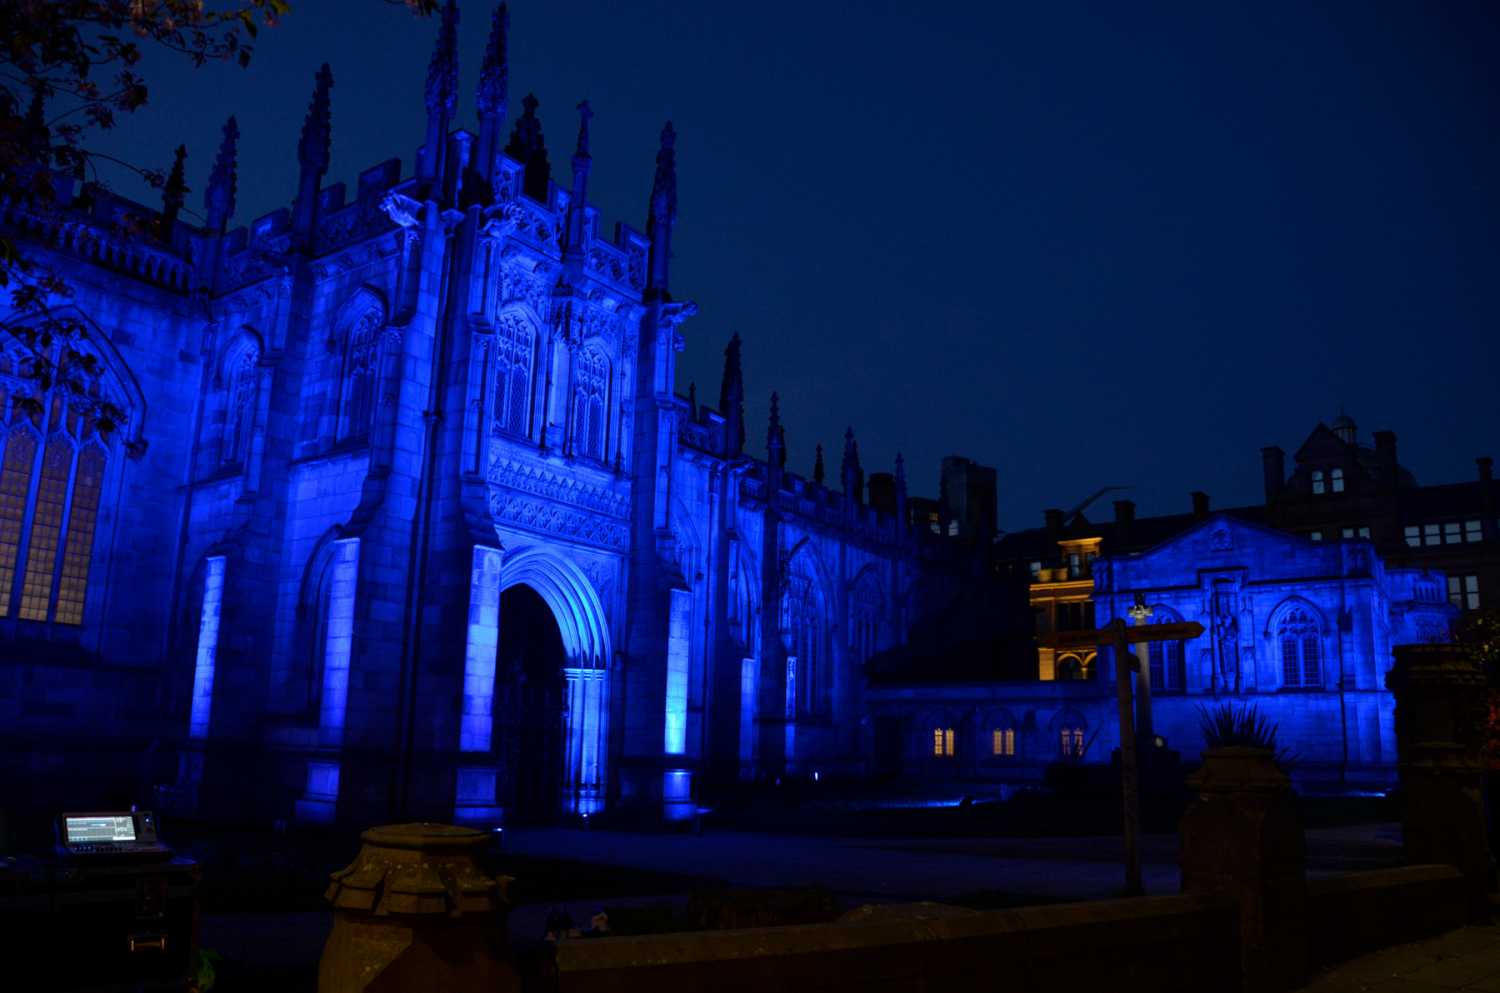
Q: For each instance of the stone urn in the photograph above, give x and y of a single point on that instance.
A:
(1242, 841)
(416, 912)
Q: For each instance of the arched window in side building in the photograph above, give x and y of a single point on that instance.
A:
(942, 742)
(1003, 741)
(1300, 636)
(361, 367)
(1168, 671)
(1071, 728)
(52, 476)
(590, 391)
(515, 344)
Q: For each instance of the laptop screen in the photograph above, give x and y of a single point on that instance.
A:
(99, 827)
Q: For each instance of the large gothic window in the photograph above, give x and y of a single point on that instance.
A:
(51, 482)
(589, 391)
(802, 621)
(241, 383)
(1299, 635)
(866, 606)
(361, 366)
(514, 348)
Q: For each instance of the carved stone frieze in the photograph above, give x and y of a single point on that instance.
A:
(541, 481)
(545, 517)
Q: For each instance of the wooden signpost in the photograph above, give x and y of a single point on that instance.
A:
(1122, 636)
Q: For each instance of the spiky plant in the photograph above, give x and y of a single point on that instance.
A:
(1239, 725)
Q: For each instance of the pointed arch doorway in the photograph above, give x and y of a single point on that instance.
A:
(532, 711)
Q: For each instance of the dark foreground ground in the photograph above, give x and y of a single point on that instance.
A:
(263, 910)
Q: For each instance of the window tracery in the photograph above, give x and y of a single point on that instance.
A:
(1299, 635)
(361, 366)
(241, 386)
(515, 344)
(589, 391)
(52, 473)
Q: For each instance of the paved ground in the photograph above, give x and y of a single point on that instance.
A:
(928, 869)
(1466, 959)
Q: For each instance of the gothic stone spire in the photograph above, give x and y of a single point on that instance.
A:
(819, 473)
(528, 148)
(218, 198)
(492, 93)
(663, 215)
(732, 397)
(317, 127)
(776, 438)
(442, 91)
(174, 193)
(580, 197)
(312, 154)
(850, 473)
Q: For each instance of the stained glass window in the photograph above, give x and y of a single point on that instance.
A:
(46, 529)
(82, 519)
(15, 484)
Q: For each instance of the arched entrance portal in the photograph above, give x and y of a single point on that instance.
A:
(533, 710)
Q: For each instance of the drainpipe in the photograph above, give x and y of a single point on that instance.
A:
(421, 530)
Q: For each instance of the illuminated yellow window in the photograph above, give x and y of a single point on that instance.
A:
(46, 529)
(942, 742)
(15, 480)
(1004, 741)
(80, 542)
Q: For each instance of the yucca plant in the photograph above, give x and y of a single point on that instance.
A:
(1242, 725)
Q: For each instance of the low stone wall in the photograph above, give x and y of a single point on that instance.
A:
(1364, 911)
(1158, 943)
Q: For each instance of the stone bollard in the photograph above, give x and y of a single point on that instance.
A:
(1242, 841)
(1441, 709)
(415, 912)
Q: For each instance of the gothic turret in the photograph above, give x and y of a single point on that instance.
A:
(579, 199)
(663, 216)
(173, 194)
(218, 197)
(732, 399)
(312, 154)
(819, 473)
(775, 447)
(850, 473)
(442, 93)
(528, 148)
(492, 93)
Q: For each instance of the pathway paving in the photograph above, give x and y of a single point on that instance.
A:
(1466, 959)
(880, 870)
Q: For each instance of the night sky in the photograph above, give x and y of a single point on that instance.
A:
(1089, 244)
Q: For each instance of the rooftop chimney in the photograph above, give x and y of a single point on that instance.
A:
(1124, 519)
(1273, 468)
(1487, 496)
(1200, 505)
(1385, 446)
(1486, 468)
(1054, 518)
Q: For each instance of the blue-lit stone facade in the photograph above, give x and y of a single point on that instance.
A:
(408, 514)
(1303, 630)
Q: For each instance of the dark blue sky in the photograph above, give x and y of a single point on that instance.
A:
(1086, 243)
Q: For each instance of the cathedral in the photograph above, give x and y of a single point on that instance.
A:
(406, 516)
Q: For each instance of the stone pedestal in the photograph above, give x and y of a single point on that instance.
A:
(1441, 708)
(1242, 841)
(415, 912)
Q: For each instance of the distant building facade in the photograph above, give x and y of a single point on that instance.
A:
(406, 514)
(1302, 629)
